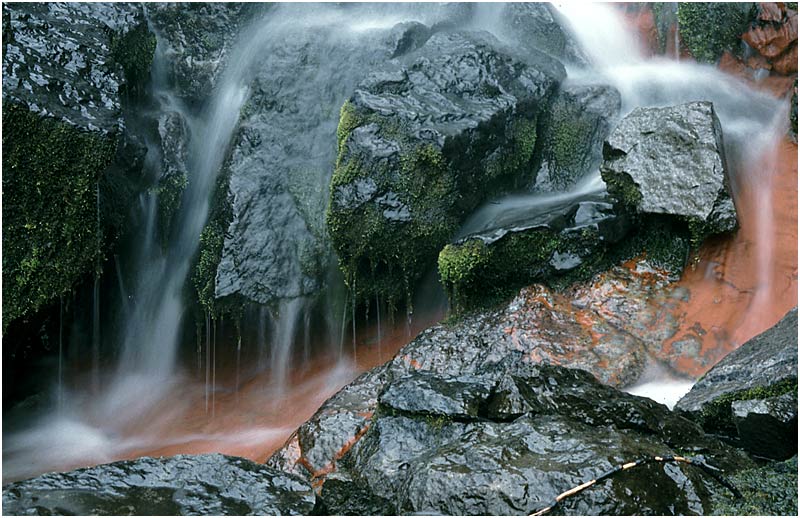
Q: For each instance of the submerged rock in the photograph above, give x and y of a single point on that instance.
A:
(424, 141)
(750, 396)
(671, 162)
(181, 485)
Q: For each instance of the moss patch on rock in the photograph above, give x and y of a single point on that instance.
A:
(717, 416)
(51, 173)
(769, 490)
(710, 28)
(134, 52)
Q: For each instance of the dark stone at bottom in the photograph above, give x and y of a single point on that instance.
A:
(181, 485)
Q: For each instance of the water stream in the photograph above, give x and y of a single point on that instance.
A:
(244, 396)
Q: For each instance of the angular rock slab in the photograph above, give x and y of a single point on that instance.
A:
(751, 394)
(181, 485)
(671, 161)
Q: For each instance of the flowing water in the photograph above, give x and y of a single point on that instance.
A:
(245, 395)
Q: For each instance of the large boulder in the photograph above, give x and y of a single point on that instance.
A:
(422, 143)
(670, 162)
(540, 27)
(750, 396)
(505, 439)
(181, 485)
(69, 163)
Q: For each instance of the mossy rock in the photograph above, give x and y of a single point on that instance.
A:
(769, 490)
(710, 28)
(409, 168)
(51, 232)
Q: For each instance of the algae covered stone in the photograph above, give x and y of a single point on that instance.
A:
(423, 142)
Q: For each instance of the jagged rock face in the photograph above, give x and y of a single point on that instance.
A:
(59, 60)
(68, 70)
(180, 485)
(671, 161)
(505, 439)
(579, 121)
(750, 396)
(200, 37)
(404, 180)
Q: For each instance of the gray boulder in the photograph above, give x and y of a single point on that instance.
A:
(181, 485)
(671, 162)
(421, 143)
(750, 396)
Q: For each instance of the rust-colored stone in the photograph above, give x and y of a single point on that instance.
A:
(770, 40)
(786, 63)
(771, 11)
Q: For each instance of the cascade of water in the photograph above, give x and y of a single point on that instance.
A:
(289, 313)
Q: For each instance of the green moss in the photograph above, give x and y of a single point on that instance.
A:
(769, 490)
(209, 255)
(479, 275)
(134, 52)
(623, 189)
(710, 28)
(170, 191)
(348, 121)
(717, 416)
(51, 173)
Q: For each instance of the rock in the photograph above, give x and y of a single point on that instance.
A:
(745, 390)
(769, 490)
(68, 72)
(540, 27)
(773, 39)
(199, 38)
(62, 61)
(708, 29)
(671, 162)
(768, 427)
(538, 431)
(430, 132)
(527, 243)
(180, 485)
(579, 121)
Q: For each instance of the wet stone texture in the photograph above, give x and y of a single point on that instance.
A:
(497, 435)
(670, 161)
(181, 485)
(750, 396)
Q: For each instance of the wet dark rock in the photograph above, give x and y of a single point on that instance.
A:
(670, 161)
(275, 243)
(69, 73)
(768, 427)
(539, 26)
(531, 432)
(750, 396)
(199, 38)
(528, 243)
(430, 131)
(580, 119)
(180, 485)
(59, 61)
